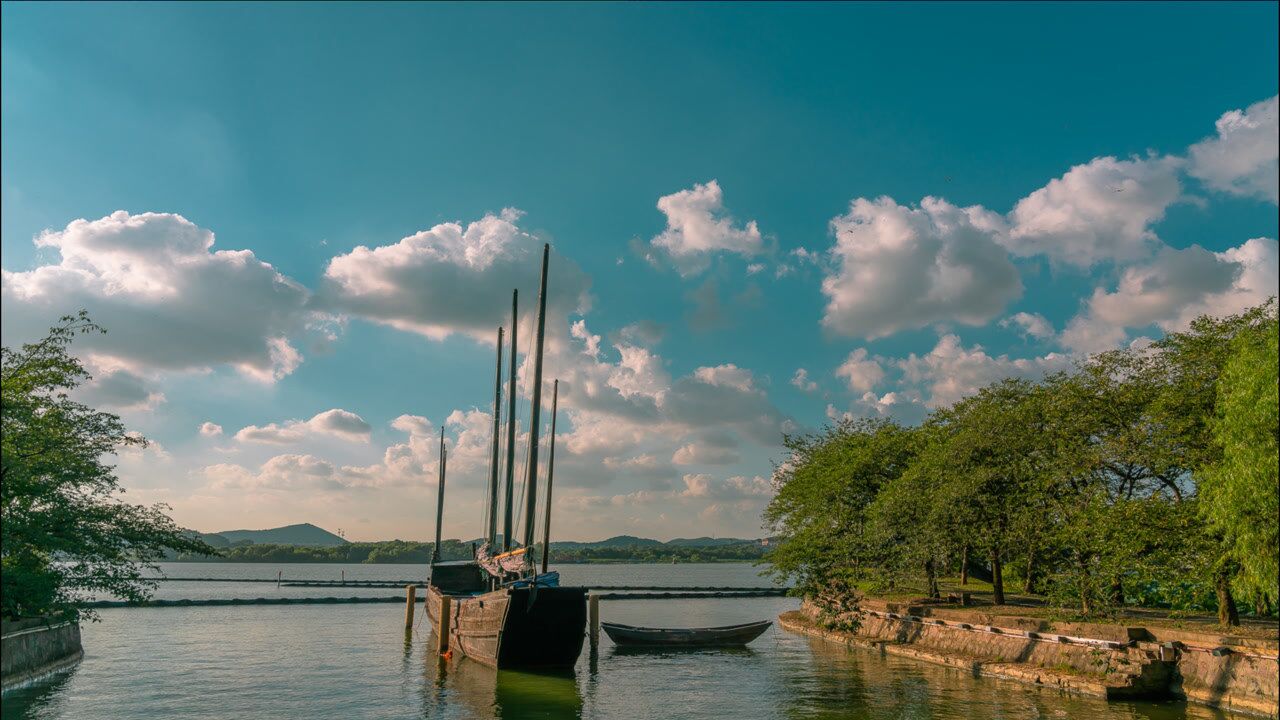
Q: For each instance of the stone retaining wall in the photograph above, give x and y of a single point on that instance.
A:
(31, 649)
(1107, 660)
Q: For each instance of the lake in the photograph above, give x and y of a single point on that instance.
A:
(355, 661)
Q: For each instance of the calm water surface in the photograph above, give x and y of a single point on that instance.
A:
(355, 661)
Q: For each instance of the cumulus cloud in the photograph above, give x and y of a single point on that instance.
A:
(209, 429)
(1242, 158)
(701, 453)
(1099, 211)
(336, 422)
(452, 279)
(860, 371)
(698, 227)
(1032, 325)
(950, 371)
(896, 267)
(168, 300)
(801, 380)
(119, 389)
(1174, 288)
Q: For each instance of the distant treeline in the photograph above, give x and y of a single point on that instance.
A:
(409, 552)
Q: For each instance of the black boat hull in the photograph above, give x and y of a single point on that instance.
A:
(728, 636)
(516, 627)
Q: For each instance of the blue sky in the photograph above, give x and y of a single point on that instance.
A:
(904, 201)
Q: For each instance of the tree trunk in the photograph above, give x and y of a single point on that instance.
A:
(931, 574)
(1227, 612)
(997, 578)
(1115, 595)
(964, 565)
(1029, 583)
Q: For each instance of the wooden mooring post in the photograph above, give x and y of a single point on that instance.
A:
(593, 619)
(442, 632)
(410, 599)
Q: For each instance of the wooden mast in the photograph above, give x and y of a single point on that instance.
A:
(491, 519)
(551, 468)
(508, 492)
(435, 549)
(531, 488)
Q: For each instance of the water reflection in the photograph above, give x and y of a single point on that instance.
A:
(481, 692)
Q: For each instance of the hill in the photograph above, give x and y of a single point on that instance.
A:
(706, 542)
(304, 534)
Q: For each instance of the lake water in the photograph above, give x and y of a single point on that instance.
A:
(356, 661)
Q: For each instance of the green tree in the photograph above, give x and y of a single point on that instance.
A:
(824, 489)
(65, 535)
(1239, 491)
(992, 460)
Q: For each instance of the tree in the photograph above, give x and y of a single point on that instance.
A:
(994, 456)
(1185, 412)
(1239, 491)
(65, 534)
(824, 489)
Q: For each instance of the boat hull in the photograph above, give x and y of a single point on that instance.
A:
(516, 627)
(729, 636)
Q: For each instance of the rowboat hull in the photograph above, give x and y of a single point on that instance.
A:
(728, 636)
(515, 627)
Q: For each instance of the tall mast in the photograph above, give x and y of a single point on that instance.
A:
(491, 520)
(551, 468)
(532, 485)
(435, 549)
(508, 493)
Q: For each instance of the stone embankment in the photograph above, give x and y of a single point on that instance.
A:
(34, 648)
(1104, 660)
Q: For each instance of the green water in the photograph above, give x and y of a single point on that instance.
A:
(355, 661)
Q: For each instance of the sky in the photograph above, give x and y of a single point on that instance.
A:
(301, 225)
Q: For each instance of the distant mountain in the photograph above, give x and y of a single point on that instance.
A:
(707, 542)
(303, 534)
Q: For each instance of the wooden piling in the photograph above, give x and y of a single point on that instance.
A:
(593, 618)
(410, 599)
(279, 575)
(442, 632)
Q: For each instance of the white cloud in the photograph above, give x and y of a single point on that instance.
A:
(801, 380)
(697, 227)
(897, 267)
(701, 485)
(336, 422)
(1242, 158)
(699, 453)
(452, 279)
(168, 300)
(950, 371)
(1099, 211)
(1174, 288)
(861, 372)
(1028, 324)
(209, 429)
(727, 375)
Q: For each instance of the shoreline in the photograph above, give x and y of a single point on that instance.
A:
(1096, 659)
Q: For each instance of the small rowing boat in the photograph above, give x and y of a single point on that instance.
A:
(728, 635)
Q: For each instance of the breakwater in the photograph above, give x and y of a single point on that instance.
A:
(632, 593)
(1098, 659)
(34, 648)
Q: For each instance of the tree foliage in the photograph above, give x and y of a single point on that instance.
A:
(1145, 476)
(65, 534)
(1239, 490)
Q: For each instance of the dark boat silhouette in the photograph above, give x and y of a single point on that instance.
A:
(724, 636)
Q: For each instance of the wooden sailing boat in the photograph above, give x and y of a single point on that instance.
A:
(502, 612)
